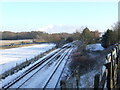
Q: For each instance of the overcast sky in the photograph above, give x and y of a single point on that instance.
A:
(57, 16)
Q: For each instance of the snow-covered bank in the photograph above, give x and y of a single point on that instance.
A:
(87, 80)
(94, 47)
(12, 57)
(89, 62)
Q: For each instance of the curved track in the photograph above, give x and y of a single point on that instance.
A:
(57, 58)
(55, 76)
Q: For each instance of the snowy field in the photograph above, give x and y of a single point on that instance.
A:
(9, 58)
(20, 72)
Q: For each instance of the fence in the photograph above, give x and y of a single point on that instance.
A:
(110, 75)
(72, 81)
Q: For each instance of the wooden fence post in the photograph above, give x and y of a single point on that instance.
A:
(109, 74)
(115, 67)
(96, 81)
(118, 60)
(63, 85)
(118, 72)
(77, 78)
(117, 49)
(112, 68)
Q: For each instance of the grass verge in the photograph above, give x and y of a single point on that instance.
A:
(16, 46)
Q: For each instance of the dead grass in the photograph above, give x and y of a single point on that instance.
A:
(8, 42)
(84, 64)
(16, 46)
(81, 59)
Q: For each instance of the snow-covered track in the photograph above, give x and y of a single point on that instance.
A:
(47, 81)
(45, 61)
(55, 76)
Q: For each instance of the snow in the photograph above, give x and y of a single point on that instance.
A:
(94, 47)
(12, 77)
(58, 73)
(41, 75)
(87, 80)
(12, 57)
(44, 74)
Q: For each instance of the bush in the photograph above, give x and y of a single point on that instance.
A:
(69, 39)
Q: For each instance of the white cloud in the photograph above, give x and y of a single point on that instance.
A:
(58, 28)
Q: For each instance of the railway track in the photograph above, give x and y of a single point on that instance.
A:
(26, 76)
(55, 76)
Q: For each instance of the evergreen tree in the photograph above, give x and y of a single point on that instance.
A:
(86, 35)
(108, 38)
(89, 36)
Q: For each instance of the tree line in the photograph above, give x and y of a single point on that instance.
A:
(35, 35)
(86, 35)
(111, 36)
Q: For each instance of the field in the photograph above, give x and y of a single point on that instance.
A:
(15, 56)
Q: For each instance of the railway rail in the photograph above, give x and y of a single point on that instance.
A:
(55, 76)
(58, 57)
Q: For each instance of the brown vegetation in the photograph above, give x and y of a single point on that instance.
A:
(8, 42)
(81, 59)
(84, 63)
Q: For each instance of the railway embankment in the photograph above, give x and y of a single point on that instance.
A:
(88, 62)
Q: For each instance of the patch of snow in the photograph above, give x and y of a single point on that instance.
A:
(87, 80)
(94, 47)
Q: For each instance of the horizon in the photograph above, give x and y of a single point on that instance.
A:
(51, 17)
(77, 30)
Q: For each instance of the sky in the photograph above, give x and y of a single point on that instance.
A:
(119, 11)
(55, 17)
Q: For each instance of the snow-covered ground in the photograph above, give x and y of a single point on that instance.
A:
(12, 57)
(40, 78)
(15, 75)
(87, 80)
(94, 47)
